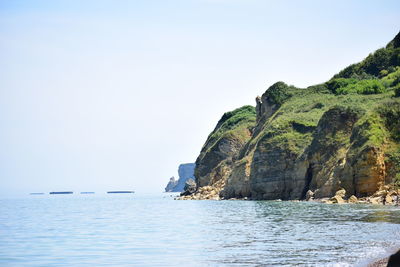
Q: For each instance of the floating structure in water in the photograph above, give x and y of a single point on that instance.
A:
(120, 192)
(38, 193)
(61, 193)
(86, 193)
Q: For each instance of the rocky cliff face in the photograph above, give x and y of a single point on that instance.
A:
(185, 172)
(316, 141)
(171, 184)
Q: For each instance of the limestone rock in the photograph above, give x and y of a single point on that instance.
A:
(380, 193)
(337, 200)
(374, 200)
(298, 141)
(353, 199)
(341, 193)
(309, 195)
(185, 171)
(388, 199)
(171, 184)
(190, 187)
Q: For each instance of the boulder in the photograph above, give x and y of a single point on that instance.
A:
(394, 260)
(309, 195)
(380, 193)
(190, 187)
(353, 199)
(374, 200)
(337, 200)
(341, 193)
(326, 201)
(388, 199)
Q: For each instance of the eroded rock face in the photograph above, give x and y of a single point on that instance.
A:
(340, 148)
(238, 182)
(171, 184)
(334, 155)
(327, 154)
(369, 172)
(189, 188)
(276, 174)
(309, 195)
(223, 147)
(185, 171)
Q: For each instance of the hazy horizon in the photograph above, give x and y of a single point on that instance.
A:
(105, 95)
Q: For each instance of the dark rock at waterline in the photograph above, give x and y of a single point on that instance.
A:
(313, 139)
(394, 260)
(171, 184)
(185, 171)
(190, 188)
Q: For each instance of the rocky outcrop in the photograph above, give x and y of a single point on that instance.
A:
(338, 141)
(223, 145)
(223, 148)
(185, 172)
(189, 188)
(171, 184)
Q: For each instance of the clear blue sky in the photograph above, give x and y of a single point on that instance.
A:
(102, 95)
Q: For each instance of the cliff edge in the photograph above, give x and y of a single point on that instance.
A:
(297, 143)
(185, 172)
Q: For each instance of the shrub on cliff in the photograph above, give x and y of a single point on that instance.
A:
(334, 84)
(231, 118)
(243, 117)
(365, 87)
(390, 111)
(397, 91)
(392, 79)
(278, 93)
(383, 59)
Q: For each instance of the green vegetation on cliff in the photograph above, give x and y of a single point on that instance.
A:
(344, 133)
(243, 117)
(377, 64)
(232, 132)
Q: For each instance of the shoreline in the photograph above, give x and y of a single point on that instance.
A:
(380, 263)
(387, 195)
(393, 256)
(321, 200)
(365, 200)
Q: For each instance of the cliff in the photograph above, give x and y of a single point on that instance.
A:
(171, 185)
(185, 172)
(342, 135)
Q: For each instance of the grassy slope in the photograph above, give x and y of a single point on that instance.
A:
(370, 87)
(235, 124)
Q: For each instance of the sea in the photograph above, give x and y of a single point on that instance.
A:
(156, 230)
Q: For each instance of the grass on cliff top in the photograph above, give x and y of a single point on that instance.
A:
(377, 64)
(363, 86)
(233, 124)
(292, 125)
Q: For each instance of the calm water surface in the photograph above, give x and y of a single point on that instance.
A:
(132, 230)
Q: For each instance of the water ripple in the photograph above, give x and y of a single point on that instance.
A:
(158, 231)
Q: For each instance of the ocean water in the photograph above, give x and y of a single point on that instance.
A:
(155, 230)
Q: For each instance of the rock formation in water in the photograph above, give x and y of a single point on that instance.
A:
(185, 172)
(312, 142)
(171, 184)
(189, 188)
